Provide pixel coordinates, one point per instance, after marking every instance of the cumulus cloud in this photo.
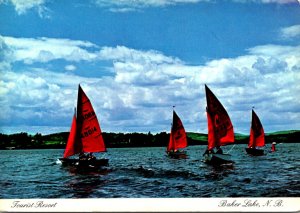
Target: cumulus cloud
(290, 32)
(23, 6)
(270, 65)
(39, 98)
(279, 53)
(32, 50)
(145, 84)
(122, 53)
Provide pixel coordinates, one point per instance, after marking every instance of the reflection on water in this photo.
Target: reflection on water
(219, 172)
(83, 186)
(84, 183)
(148, 172)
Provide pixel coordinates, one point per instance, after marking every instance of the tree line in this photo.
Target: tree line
(24, 140)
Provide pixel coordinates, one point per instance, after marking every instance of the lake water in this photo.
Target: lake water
(149, 173)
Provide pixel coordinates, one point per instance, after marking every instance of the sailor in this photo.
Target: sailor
(208, 151)
(82, 156)
(91, 156)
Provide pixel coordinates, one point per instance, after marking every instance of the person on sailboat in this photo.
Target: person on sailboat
(208, 151)
(91, 156)
(82, 156)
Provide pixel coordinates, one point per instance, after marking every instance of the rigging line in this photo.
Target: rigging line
(230, 149)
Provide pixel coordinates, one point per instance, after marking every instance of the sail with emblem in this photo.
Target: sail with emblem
(178, 139)
(85, 137)
(85, 134)
(220, 128)
(88, 127)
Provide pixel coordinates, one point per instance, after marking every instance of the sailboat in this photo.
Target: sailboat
(85, 136)
(178, 139)
(220, 130)
(257, 137)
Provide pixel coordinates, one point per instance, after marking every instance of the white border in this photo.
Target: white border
(273, 204)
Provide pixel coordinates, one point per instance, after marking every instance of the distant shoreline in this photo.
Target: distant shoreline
(24, 140)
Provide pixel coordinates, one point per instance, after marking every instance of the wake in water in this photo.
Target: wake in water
(160, 173)
(58, 161)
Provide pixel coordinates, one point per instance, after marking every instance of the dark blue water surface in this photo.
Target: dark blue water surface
(149, 173)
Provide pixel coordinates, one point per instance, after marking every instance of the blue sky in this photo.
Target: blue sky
(136, 59)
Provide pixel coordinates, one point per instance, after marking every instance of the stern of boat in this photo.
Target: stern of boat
(217, 159)
(254, 152)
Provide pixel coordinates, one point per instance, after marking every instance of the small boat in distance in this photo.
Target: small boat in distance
(178, 139)
(85, 137)
(220, 131)
(257, 137)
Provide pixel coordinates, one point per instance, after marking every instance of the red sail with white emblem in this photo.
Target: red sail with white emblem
(220, 129)
(88, 128)
(178, 139)
(257, 134)
(85, 134)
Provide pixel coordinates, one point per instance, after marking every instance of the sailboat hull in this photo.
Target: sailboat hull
(217, 159)
(84, 164)
(177, 155)
(255, 152)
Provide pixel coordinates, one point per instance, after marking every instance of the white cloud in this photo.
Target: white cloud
(290, 32)
(278, 1)
(137, 5)
(22, 6)
(267, 1)
(121, 6)
(288, 54)
(146, 84)
(46, 49)
(70, 67)
(122, 53)
(142, 3)
(129, 5)
(31, 50)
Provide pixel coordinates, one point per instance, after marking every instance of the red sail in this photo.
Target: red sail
(88, 126)
(220, 129)
(257, 134)
(178, 138)
(73, 145)
(211, 136)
